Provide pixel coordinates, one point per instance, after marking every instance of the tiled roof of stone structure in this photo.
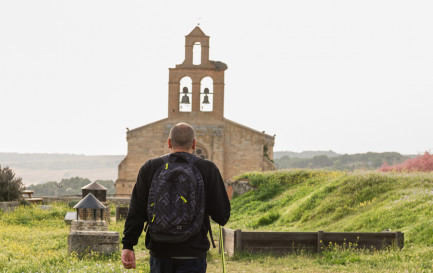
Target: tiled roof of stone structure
(89, 202)
(94, 186)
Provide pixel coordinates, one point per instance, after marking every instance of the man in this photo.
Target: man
(190, 255)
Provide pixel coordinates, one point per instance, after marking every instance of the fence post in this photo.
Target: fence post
(319, 241)
(399, 239)
(238, 241)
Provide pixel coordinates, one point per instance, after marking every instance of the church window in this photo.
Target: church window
(196, 53)
(200, 152)
(206, 94)
(185, 95)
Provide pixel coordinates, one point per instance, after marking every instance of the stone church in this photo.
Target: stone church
(196, 96)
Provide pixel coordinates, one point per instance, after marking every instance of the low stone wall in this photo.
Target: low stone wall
(9, 206)
(87, 242)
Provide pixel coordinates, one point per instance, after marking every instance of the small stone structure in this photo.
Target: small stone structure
(89, 231)
(100, 192)
(89, 207)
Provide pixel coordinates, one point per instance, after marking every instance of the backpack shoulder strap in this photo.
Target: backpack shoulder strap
(209, 228)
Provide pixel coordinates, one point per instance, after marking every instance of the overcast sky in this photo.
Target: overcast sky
(348, 76)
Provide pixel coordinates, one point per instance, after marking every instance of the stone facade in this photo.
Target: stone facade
(234, 148)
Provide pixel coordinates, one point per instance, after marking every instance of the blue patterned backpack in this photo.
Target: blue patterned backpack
(176, 202)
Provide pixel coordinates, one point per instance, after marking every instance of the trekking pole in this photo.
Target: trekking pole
(222, 249)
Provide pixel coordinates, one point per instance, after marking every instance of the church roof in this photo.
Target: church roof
(89, 202)
(196, 32)
(147, 125)
(94, 186)
(248, 128)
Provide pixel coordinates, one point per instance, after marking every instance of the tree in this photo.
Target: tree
(11, 187)
(422, 163)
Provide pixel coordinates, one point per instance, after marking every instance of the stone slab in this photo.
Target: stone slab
(93, 242)
(70, 216)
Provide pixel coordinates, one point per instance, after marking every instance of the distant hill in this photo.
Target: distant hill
(38, 168)
(368, 161)
(304, 154)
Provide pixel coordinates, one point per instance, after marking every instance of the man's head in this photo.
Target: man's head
(181, 138)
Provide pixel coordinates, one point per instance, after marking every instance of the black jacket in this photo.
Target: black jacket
(217, 207)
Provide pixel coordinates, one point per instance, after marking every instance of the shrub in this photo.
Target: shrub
(268, 219)
(11, 187)
(422, 163)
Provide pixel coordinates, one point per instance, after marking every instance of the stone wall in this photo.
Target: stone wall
(9, 206)
(238, 187)
(233, 148)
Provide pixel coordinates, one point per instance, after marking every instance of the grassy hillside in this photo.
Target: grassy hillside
(309, 200)
(35, 240)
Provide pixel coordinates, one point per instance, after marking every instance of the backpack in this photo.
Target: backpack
(176, 201)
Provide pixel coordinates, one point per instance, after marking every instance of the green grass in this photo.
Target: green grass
(35, 240)
(303, 200)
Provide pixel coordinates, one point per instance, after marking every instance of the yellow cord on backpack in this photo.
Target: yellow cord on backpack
(222, 249)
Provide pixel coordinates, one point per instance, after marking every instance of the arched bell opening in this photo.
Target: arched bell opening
(206, 94)
(185, 95)
(196, 53)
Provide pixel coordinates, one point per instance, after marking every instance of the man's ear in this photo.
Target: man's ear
(193, 144)
(169, 143)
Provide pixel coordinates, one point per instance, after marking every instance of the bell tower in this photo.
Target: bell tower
(196, 87)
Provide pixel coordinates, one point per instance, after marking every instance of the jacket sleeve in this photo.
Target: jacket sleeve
(137, 213)
(217, 201)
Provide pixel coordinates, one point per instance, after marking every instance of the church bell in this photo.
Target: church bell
(185, 98)
(206, 98)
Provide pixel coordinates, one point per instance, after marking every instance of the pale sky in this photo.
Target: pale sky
(348, 76)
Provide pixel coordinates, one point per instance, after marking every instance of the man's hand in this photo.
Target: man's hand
(128, 258)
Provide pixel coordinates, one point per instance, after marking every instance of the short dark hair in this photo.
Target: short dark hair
(182, 135)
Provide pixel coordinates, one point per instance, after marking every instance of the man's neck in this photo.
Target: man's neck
(181, 150)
